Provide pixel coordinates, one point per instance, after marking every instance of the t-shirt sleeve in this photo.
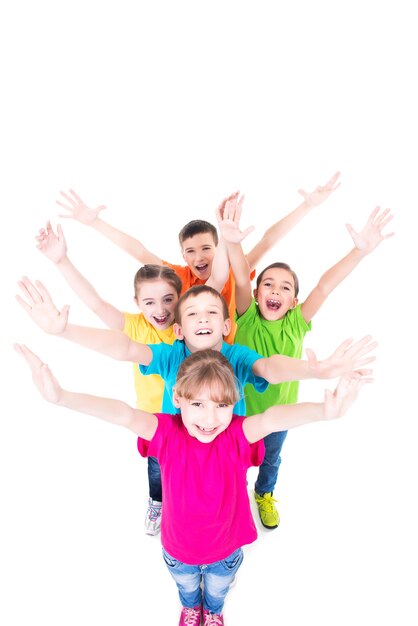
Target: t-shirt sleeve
(243, 359)
(252, 453)
(155, 446)
(298, 321)
(160, 360)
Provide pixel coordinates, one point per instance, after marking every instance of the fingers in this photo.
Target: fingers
(361, 347)
(77, 197)
(31, 358)
(29, 291)
(45, 295)
(333, 180)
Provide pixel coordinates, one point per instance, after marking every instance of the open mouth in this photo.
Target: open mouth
(273, 305)
(206, 431)
(160, 320)
(203, 331)
(202, 268)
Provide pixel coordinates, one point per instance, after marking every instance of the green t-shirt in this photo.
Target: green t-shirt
(284, 336)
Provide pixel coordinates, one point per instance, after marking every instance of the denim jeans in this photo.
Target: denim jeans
(267, 474)
(216, 578)
(154, 479)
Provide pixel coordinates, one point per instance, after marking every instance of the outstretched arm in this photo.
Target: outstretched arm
(38, 304)
(365, 242)
(54, 247)
(79, 211)
(285, 225)
(348, 357)
(283, 417)
(220, 264)
(117, 412)
(228, 217)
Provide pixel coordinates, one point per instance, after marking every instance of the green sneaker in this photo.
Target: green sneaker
(269, 515)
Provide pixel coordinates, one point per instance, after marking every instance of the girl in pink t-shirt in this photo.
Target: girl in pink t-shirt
(204, 455)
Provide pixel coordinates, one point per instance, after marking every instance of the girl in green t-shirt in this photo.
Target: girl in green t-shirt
(272, 321)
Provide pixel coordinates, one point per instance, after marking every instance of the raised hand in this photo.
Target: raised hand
(348, 357)
(38, 305)
(337, 402)
(228, 215)
(52, 245)
(320, 193)
(78, 210)
(42, 376)
(369, 238)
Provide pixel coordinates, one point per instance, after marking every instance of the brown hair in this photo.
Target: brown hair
(155, 272)
(210, 369)
(196, 227)
(283, 266)
(195, 291)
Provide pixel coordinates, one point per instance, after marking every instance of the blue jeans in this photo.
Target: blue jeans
(267, 474)
(216, 578)
(154, 479)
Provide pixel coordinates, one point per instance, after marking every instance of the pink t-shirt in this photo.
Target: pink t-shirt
(206, 511)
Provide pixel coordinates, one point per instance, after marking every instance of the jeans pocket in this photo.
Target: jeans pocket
(234, 560)
(170, 561)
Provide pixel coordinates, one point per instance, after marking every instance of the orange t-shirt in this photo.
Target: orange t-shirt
(188, 279)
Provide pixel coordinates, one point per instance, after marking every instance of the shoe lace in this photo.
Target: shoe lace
(191, 616)
(268, 503)
(154, 512)
(213, 619)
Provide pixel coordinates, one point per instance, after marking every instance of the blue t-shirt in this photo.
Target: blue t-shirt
(166, 361)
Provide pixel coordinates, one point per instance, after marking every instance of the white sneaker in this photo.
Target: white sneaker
(153, 517)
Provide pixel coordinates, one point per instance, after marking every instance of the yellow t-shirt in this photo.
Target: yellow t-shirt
(149, 389)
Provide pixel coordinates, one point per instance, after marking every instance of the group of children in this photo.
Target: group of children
(216, 371)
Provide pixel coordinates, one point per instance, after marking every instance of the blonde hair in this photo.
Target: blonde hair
(210, 369)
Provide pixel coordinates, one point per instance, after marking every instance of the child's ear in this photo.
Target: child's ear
(255, 293)
(177, 331)
(227, 327)
(295, 302)
(176, 399)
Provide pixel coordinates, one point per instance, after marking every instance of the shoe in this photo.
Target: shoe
(269, 515)
(212, 619)
(190, 617)
(153, 517)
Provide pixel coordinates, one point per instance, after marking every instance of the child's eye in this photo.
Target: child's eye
(213, 312)
(190, 314)
(286, 288)
(223, 405)
(196, 404)
(267, 284)
(168, 300)
(149, 303)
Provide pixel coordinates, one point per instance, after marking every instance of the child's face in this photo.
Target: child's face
(276, 294)
(203, 418)
(157, 300)
(198, 252)
(202, 322)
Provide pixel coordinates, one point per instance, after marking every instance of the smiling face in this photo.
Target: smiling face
(198, 252)
(276, 293)
(202, 322)
(203, 417)
(157, 300)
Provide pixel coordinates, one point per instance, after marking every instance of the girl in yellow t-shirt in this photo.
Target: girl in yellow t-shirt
(157, 289)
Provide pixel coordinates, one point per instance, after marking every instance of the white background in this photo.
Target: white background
(159, 110)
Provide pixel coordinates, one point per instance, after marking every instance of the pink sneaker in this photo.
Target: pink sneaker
(212, 619)
(191, 617)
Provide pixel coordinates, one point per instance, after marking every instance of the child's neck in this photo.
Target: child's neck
(217, 346)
